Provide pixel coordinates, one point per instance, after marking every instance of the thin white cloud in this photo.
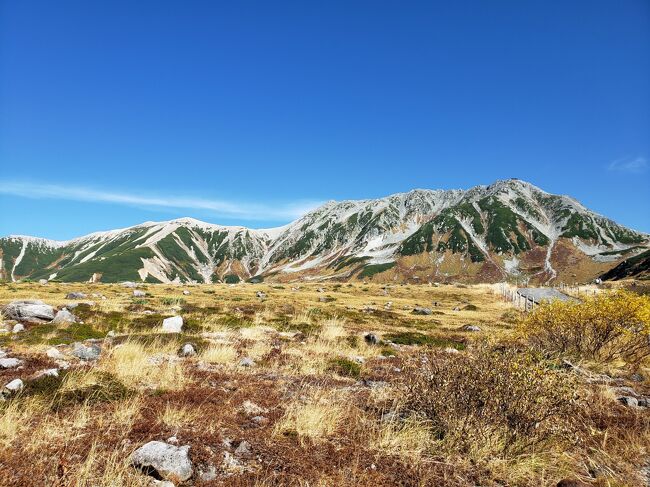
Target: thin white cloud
(219, 208)
(633, 165)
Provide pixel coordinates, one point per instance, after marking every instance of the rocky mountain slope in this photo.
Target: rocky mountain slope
(510, 229)
(637, 267)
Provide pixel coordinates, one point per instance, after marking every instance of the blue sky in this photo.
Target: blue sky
(117, 112)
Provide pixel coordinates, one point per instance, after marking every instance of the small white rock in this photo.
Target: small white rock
(54, 353)
(18, 327)
(9, 363)
(15, 385)
(173, 324)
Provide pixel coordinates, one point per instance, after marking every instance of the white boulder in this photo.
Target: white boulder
(169, 462)
(173, 324)
(15, 385)
(29, 311)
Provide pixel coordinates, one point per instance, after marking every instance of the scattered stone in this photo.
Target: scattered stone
(9, 363)
(64, 316)
(47, 373)
(371, 338)
(42, 282)
(261, 420)
(75, 296)
(186, 292)
(173, 324)
(29, 311)
(86, 352)
(187, 350)
(456, 308)
(260, 295)
(18, 327)
(388, 305)
(231, 464)
(358, 359)
(244, 449)
(419, 310)
(252, 409)
(471, 328)
(325, 299)
(15, 385)
(321, 290)
(163, 483)
(246, 362)
(111, 334)
(644, 402)
(209, 474)
(637, 377)
(129, 284)
(139, 294)
(451, 350)
(167, 461)
(54, 353)
(628, 401)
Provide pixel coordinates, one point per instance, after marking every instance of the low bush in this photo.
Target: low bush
(345, 367)
(490, 402)
(602, 328)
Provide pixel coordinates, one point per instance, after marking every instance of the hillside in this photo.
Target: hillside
(510, 229)
(637, 267)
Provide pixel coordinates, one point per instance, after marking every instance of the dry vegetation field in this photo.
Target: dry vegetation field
(286, 387)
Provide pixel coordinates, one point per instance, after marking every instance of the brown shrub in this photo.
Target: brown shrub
(501, 402)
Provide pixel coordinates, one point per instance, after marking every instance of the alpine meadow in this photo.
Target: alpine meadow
(315, 244)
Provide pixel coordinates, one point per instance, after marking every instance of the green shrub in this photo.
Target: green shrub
(344, 367)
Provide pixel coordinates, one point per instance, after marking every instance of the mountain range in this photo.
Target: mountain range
(508, 230)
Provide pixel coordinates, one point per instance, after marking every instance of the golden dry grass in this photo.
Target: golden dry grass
(82, 433)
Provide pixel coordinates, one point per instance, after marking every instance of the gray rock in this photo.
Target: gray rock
(47, 373)
(168, 461)
(188, 350)
(18, 327)
(419, 310)
(86, 352)
(186, 292)
(129, 284)
(54, 353)
(244, 449)
(9, 363)
(29, 311)
(209, 474)
(173, 324)
(260, 295)
(64, 316)
(75, 296)
(628, 401)
(15, 385)
(139, 294)
(371, 338)
(247, 362)
(471, 328)
(42, 282)
(644, 402)
(252, 409)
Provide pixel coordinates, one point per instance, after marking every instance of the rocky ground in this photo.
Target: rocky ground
(315, 385)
